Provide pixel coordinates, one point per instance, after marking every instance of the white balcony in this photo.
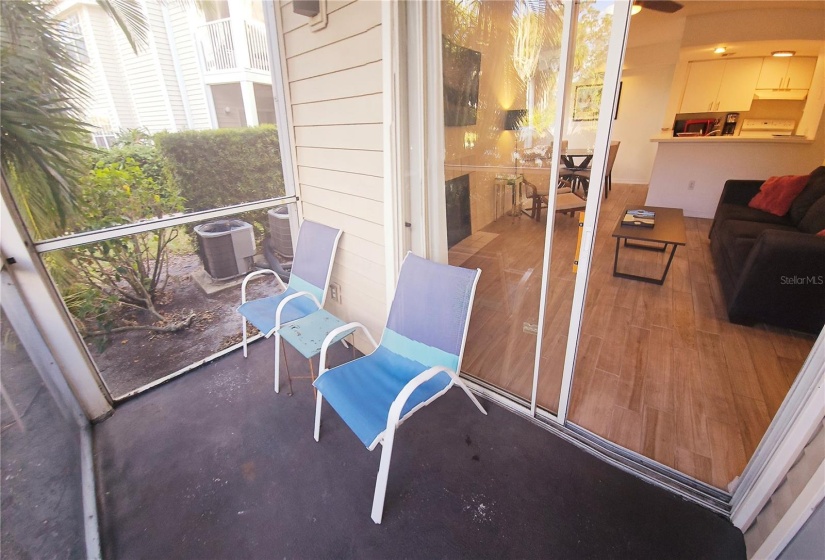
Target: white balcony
(230, 45)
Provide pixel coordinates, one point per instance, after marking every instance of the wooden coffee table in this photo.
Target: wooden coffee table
(669, 229)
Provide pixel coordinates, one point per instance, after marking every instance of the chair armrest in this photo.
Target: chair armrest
(331, 336)
(401, 399)
(252, 275)
(286, 300)
(739, 191)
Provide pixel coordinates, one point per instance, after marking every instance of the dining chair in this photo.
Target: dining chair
(583, 176)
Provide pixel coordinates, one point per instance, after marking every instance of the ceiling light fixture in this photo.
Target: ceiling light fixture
(719, 50)
(635, 9)
(783, 53)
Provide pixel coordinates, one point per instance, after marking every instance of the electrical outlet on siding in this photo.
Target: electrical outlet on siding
(335, 291)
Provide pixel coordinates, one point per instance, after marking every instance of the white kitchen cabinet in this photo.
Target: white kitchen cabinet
(786, 73)
(704, 79)
(721, 85)
(738, 84)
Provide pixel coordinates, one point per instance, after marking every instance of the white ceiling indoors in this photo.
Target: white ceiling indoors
(650, 27)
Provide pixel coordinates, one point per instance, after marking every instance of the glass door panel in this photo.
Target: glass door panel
(500, 63)
(592, 31)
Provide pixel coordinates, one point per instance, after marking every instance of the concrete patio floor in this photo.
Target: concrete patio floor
(216, 465)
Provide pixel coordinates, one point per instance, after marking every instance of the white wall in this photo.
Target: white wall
(646, 81)
(109, 93)
(334, 78)
(184, 22)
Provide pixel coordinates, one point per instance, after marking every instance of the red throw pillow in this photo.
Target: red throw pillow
(777, 193)
(821, 233)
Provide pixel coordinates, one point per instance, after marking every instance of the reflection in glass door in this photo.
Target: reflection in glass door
(500, 63)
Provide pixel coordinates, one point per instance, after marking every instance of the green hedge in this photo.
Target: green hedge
(215, 168)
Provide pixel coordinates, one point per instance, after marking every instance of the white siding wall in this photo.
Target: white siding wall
(145, 79)
(109, 93)
(183, 28)
(334, 78)
(166, 66)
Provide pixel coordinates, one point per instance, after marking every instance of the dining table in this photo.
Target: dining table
(570, 156)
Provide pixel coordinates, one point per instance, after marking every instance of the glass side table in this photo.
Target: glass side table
(307, 335)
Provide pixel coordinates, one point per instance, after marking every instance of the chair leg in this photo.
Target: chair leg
(383, 476)
(243, 324)
(277, 363)
(319, 399)
(286, 363)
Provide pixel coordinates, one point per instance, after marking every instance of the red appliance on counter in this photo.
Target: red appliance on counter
(693, 127)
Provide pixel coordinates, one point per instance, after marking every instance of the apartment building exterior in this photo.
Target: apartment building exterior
(199, 68)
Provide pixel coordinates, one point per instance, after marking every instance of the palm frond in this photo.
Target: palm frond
(42, 139)
(129, 16)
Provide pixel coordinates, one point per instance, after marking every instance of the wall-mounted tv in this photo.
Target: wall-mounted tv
(462, 68)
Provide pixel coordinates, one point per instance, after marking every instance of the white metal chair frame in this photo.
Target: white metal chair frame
(278, 311)
(281, 305)
(394, 417)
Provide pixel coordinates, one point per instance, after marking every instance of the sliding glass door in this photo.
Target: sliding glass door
(523, 127)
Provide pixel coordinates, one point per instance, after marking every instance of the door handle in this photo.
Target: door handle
(782, 79)
(788, 85)
(710, 106)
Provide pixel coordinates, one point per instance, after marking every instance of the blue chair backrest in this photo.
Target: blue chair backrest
(314, 255)
(428, 317)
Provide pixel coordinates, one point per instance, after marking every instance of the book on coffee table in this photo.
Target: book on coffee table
(639, 218)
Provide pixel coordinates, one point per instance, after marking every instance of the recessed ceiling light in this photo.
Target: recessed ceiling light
(719, 50)
(783, 53)
(635, 9)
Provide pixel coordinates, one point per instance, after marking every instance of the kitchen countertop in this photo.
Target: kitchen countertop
(732, 140)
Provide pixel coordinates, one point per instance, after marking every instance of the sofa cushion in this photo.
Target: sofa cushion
(813, 191)
(748, 214)
(738, 238)
(814, 219)
(777, 193)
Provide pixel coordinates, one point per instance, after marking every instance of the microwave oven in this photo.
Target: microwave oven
(693, 127)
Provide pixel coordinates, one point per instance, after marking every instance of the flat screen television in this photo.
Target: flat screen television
(462, 68)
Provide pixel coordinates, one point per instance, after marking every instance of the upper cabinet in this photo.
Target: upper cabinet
(721, 85)
(785, 78)
(738, 84)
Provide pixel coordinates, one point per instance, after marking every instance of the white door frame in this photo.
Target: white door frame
(610, 92)
(49, 313)
(799, 416)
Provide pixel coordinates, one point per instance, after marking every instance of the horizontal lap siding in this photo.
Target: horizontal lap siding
(109, 77)
(190, 71)
(334, 78)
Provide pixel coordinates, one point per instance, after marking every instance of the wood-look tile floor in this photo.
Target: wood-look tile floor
(660, 370)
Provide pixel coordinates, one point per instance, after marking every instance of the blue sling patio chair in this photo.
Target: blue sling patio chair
(305, 293)
(418, 360)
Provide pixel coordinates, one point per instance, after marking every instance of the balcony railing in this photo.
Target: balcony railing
(256, 46)
(222, 49)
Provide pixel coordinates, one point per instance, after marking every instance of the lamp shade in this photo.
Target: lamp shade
(514, 118)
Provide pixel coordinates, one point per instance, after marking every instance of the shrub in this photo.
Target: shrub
(130, 269)
(216, 168)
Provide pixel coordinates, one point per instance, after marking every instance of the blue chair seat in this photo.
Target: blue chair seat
(363, 390)
(261, 312)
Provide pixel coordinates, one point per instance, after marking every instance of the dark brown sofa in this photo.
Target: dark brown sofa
(772, 268)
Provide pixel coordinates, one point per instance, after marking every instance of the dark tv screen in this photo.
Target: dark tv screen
(462, 67)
